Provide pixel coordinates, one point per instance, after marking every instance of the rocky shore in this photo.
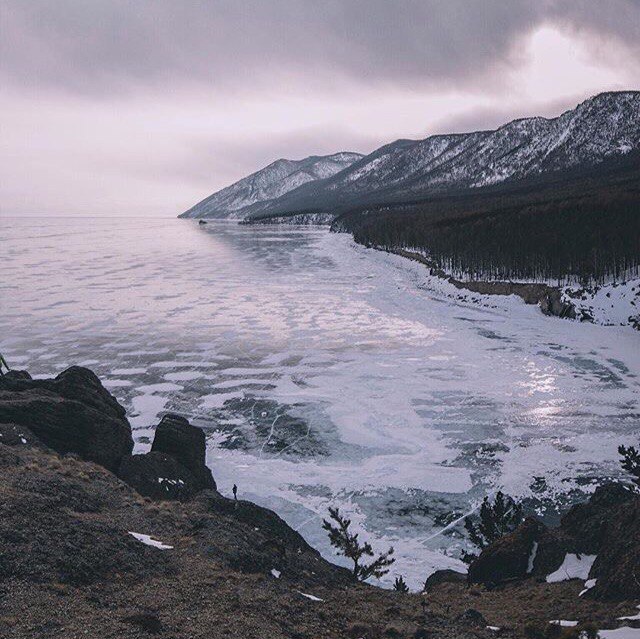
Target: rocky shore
(95, 541)
(548, 298)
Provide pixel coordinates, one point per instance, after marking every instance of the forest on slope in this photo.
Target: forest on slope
(581, 226)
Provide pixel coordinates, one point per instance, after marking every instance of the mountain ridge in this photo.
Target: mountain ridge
(601, 127)
(268, 183)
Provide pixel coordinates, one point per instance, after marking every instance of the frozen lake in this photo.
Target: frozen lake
(325, 373)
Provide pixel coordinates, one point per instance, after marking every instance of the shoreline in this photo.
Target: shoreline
(548, 298)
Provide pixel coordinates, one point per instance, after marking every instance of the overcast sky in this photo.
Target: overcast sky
(143, 107)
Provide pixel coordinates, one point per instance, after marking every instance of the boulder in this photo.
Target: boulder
(586, 524)
(72, 413)
(532, 549)
(176, 437)
(175, 468)
(159, 476)
(444, 577)
(617, 566)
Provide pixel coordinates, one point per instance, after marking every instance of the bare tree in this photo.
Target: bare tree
(347, 544)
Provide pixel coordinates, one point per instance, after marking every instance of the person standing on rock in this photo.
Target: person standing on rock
(235, 492)
(3, 364)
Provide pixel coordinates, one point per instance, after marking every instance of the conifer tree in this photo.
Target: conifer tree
(400, 584)
(631, 462)
(347, 544)
(495, 520)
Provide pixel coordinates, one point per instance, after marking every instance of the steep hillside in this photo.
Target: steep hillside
(601, 128)
(268, 183)
(578, 226)
(154, 549)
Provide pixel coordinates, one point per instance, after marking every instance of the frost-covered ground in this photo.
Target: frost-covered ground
(325, 373)
(614, 304)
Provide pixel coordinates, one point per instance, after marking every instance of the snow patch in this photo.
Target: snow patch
(590, 583)
(621, 633)
(532, 557)
(147, 540)
(312, 597)
(573, 567)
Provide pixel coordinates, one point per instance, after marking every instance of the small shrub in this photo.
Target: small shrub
(400, 585)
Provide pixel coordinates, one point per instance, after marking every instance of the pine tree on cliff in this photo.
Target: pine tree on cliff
(631, 462)
(494, 521)
(348, 545)
(400, 585)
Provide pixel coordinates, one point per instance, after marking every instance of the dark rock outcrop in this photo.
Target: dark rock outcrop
(444, 577)
(617, 566)
(159, 476)
(176, 437)
(586, 524)
(72, 413)
(16, 435)
(175, 468)
(532, 549)
(608, 525)
(15, 375)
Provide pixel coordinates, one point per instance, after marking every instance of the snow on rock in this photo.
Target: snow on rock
(532, 557)
(616, 304)
(312, 597)
(147, 540)
(631, 618)
(564, 623)
(573, 567)
(268, 183)
(590, 583)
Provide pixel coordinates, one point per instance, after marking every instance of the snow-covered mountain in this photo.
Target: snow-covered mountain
(269, 183)
(602, 127)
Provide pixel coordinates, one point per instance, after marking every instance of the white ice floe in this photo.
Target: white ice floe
(116, 383)
(149, 541)
(588, 584)
(312, 597)
(573, 567)
(276, 573)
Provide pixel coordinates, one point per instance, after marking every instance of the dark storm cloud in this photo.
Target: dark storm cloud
(145, 106)
(111, 46)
